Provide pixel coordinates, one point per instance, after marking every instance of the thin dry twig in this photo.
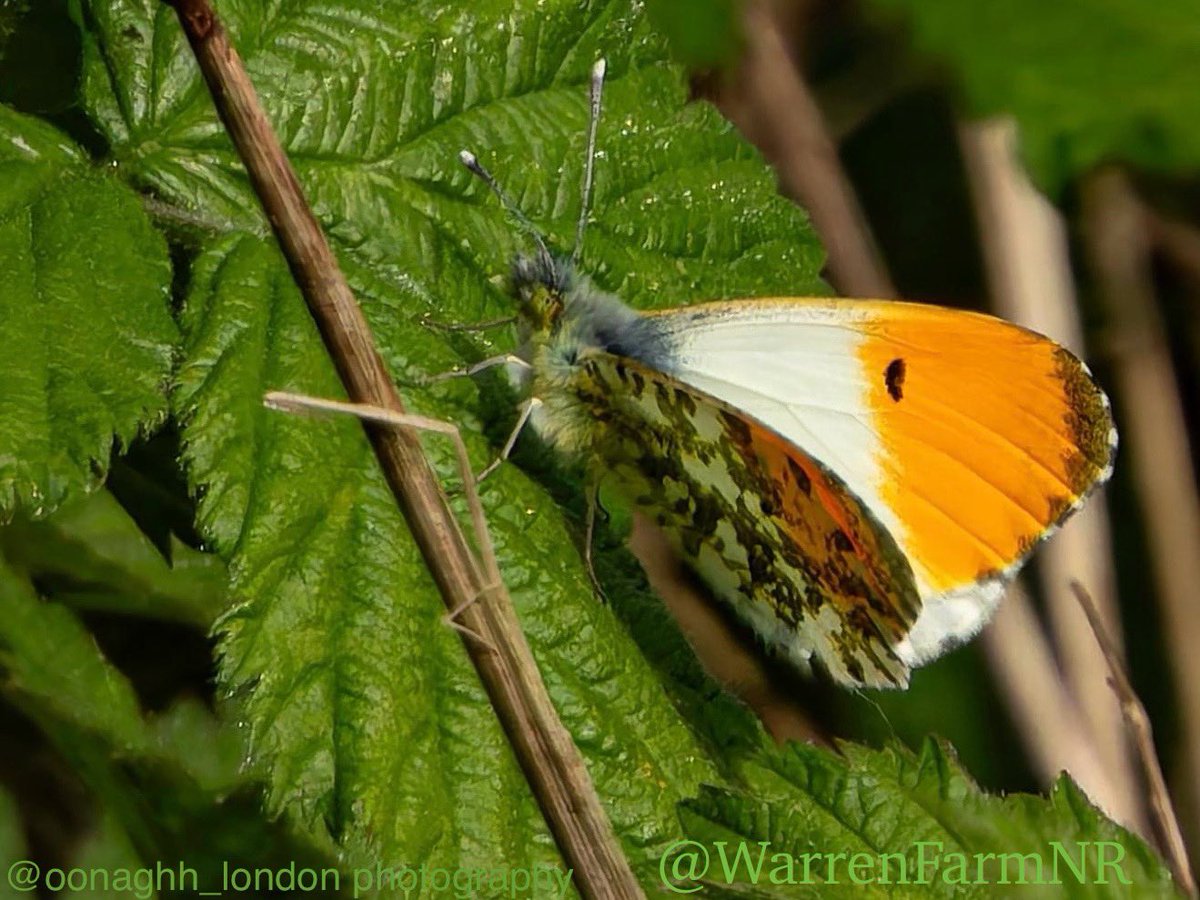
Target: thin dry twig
(781, 115)
(1158, 451)
(541, 743)
(1162, 813)
(1030, 280)
(285, 401)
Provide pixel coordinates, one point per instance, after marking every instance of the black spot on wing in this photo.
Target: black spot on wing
(893, 377)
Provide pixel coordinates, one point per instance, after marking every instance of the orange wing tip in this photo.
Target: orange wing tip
(1095, 434)
(952, 618)
(984, 455)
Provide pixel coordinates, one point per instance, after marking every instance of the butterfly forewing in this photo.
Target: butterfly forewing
(970, 438)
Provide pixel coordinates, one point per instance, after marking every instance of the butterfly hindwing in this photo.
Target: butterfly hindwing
(772, 531)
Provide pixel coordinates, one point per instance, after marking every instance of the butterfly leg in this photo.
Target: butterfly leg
(589, 535)
(486, 559)
(467, 371)
(523, 415)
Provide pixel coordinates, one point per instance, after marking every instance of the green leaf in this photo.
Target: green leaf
(921, 816)
(373, 117)
(92, 555)
(171, 788)
(83, 318)
(49, 659)
(1087, 82)
(362, 702)
(702, 33)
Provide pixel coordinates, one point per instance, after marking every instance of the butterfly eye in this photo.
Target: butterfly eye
(542, 306)
(552, 308)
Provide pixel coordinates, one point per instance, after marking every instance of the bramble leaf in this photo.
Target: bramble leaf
(874, 822)
(363, 711)
(84, 321)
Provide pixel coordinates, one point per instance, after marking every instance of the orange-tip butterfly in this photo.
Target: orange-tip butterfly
(858, 480)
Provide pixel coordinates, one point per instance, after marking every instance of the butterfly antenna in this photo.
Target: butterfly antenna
(468, 159)
(589, 162)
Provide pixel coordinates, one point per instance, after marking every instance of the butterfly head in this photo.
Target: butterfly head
(541, 283)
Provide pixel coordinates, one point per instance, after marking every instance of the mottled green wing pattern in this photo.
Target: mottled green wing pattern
(772, 532)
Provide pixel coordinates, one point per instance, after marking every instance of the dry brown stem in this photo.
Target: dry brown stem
(1162, 812)
(776, 107)
(539, 740)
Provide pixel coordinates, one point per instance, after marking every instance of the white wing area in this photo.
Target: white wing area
(795, 366)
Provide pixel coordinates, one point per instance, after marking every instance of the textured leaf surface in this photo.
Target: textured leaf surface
(922, 806)
(1087, 81)
(84, 322)
(361, 700)
(373, 103)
